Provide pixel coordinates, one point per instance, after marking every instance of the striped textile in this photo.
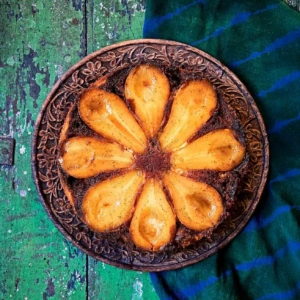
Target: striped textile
(260, 42)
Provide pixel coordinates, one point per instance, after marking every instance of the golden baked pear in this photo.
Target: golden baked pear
(194, 104)
(84, 157)
(109, 204)
(197, 205)
(148, 89)
(108, 115)
(153, 224)
(218, 150)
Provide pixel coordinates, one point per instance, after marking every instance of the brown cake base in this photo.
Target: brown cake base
(155, 162)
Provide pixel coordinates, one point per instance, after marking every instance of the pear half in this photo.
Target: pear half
(108, 115)
(109, 204)
(84, 157)
(197, 205)
(148, 90)
(153, 224)
(218, 150)
(193, 105)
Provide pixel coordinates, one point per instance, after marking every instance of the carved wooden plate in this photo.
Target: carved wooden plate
(113, 248)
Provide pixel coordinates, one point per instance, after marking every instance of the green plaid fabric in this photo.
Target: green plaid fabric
(260, 42)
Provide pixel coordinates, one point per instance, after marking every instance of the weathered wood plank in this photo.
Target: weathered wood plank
(39, 41)
(110, 22)
(106, 283)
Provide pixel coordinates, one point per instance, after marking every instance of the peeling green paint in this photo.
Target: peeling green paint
(31, 262)
(110, 22)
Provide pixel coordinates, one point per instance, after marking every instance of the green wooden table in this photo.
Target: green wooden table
(39, 41)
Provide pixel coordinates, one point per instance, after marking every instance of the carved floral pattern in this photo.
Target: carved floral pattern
(116, 247)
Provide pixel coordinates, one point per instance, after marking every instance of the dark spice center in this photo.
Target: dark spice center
(154, 161)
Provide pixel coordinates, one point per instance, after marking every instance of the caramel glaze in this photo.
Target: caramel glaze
(154, 162)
